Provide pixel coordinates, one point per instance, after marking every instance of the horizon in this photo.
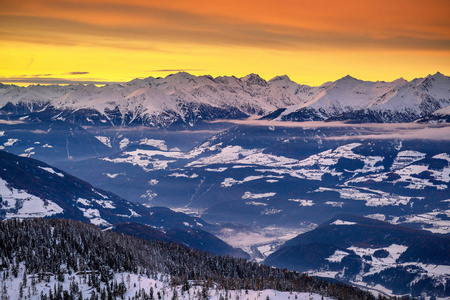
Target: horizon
(314, 42)
(49, 81)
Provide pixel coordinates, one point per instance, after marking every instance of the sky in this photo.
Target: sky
(101, 41)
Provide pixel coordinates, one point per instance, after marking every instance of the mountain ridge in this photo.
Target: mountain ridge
(185, 99)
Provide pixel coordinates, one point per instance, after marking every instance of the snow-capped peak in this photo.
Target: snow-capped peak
(254, 79)
(183, 96)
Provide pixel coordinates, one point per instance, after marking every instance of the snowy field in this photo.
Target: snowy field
(136, 285)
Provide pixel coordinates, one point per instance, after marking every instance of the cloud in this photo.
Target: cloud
(76, 73)
(295, 25)
(429, 133)
(178, 70)
(52, 80)
(30, 63)
(34, 75)
(10, 122)
(367, 131)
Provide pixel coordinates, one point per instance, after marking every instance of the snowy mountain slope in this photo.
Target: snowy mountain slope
(32, 189)
(184, 99)
(84, 262)
(177, 98)
(29, 188)
(50, 141)
(373, 254)
(288, 178)
(364, 101)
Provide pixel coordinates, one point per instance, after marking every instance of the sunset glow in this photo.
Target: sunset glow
(59, 41)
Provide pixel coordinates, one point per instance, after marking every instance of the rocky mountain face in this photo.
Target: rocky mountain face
(184, 99)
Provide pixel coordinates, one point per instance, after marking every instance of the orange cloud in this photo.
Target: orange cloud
(318, 37)
(289, 24)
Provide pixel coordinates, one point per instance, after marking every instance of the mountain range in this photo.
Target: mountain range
(185, 99)
(168, 159)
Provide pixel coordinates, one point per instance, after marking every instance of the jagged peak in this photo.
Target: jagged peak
(254, 79)
(438, 76)
(280, 78)
(347, 78)
(181, 74)
(400, 80)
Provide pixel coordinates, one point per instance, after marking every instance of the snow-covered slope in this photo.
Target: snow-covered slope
(371, 254)
(152, 101)
(186, 99)
(30, 189)
(364, 101)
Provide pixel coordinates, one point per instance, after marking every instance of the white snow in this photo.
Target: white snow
(249, 195)
(104, 139)
(227, 182)
(145, 158)
(153, 182)
(337, 256)
(303, 202)
(160, 144)
(178, 175)
(84, 202)
(105, 203)
(160, 101)
(10, 142)
(405, 158)
(216, 170)
(379, 217)
(408, 174)
(270, 211)
(341, 222)
(256, 203)
(135, 283)
(112, 175)
(124, 143)
(430, 221)
(335, 203)
(94, 216)
(20, 204)
(50, 170)
(394, 250)
(371, 197)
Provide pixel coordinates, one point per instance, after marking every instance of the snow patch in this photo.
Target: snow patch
(341, 222)
(50, 170)
(249, 195)
(105, 140)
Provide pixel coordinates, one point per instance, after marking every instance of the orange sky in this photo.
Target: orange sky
(58, 41)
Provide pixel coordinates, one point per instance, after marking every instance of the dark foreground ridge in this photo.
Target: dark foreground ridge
(58, 246)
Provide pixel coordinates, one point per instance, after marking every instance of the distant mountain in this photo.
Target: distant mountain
(350, 99)
(371, 253)
(180, 98)
(184, 99)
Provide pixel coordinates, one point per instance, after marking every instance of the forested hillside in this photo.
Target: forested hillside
(53, 248)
